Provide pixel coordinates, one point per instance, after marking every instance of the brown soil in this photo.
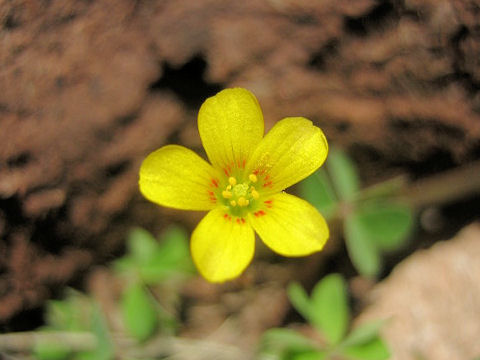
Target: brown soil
(88, 88)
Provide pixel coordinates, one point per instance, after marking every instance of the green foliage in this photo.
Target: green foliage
(148, 262)
(373, 222)
(75, 314)
(278, 342)
(327, 309)
(332, 313)
(151, 262)
(363, 333)
(319, 192)
(387, 224)
(374, 349)
(300, 300)
(104, 349)
(328, 312)
(139, 313)
(155, 261)
(344, 174)
(362, 251)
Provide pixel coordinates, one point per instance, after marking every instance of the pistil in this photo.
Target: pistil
(240, 196)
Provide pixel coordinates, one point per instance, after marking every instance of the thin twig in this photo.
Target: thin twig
(455, 184)
(182, 348)
(26, 341)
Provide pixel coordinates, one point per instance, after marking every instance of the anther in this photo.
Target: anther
(232, 181)
(253, 178)
(242, 201)
(233, 203)
(255, 194)
(229, 187)
(226, 194)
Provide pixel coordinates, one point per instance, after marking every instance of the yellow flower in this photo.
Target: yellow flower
(242, 188)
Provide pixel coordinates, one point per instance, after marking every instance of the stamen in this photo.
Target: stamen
(233, 203)
(255, 194)
(242, 201)
(226, 194)
(232, 181)
(229, 187)
(253, 178)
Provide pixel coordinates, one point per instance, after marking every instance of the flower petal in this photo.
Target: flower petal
(290, 226)
(176, 177)
(293, 149)
(230, 125)
(221, 246)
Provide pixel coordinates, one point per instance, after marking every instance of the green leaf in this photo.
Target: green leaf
(72, 313)
(104, 349)
(175, 249)
(59, 315)
(318, 190)
(387, 224)
(172, 257)
(329, 307)
(280, 342)
(361, 249)
(51, 351)
(125, 265)
(300, 300)
(363, 333)
(343, 173)
(139, 312)
(142, 245)
(375, 349)
(155, 260)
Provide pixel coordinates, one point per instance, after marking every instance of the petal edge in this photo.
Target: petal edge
(290, 226)
(176, 177)
(230, 125)
(221, 247)
(292, 150)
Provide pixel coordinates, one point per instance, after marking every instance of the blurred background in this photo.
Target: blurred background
(89, 88)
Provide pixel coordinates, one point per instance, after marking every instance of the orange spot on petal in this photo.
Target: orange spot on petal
(269, 183)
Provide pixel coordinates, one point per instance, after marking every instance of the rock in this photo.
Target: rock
(432, 301)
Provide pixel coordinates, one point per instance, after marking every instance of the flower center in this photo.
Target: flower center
(240, 197)
(240, 190)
